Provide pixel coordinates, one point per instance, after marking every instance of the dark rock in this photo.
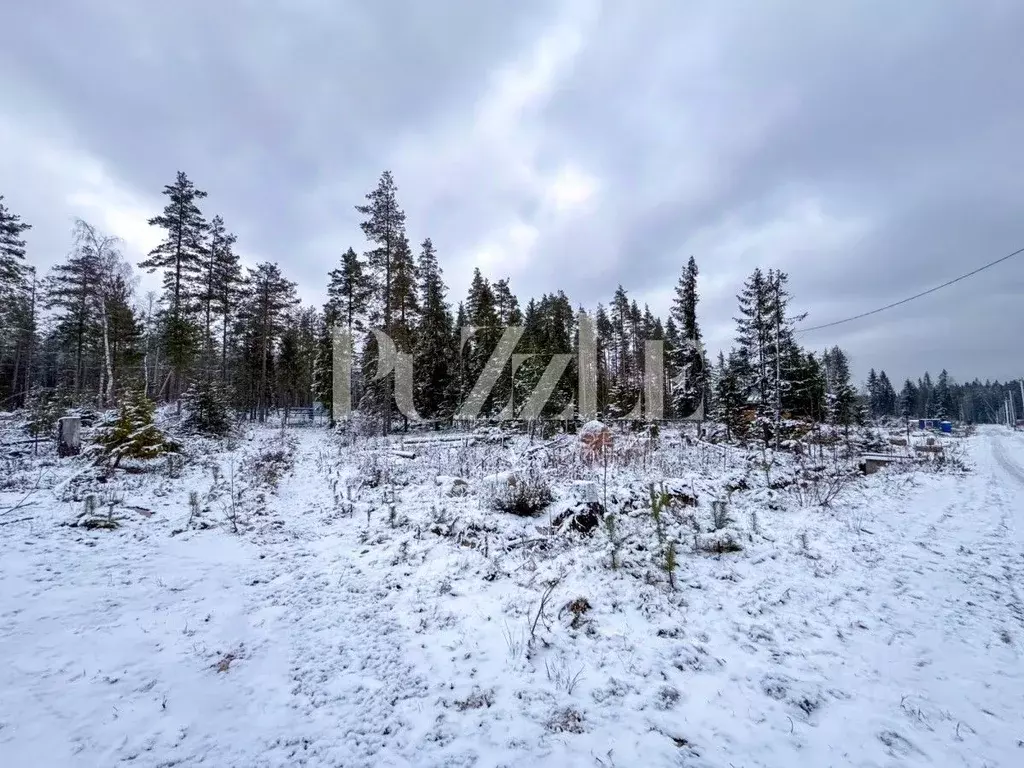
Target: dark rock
(582, 518)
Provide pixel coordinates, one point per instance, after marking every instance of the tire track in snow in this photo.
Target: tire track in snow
(1011, 467)
(356, 692)
(1012, 519)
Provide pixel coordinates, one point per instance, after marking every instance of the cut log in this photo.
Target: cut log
(69, 436)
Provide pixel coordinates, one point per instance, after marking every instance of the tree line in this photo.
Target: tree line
(81, 334)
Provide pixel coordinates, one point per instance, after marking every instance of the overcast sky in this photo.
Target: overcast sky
(870, 149)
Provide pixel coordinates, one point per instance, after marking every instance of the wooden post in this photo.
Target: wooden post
(69, 436)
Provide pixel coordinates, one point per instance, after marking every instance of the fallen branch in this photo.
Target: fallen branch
(18, 520)
(25, 499)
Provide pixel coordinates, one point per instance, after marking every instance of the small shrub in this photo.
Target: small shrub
(563, 678)
(577, 609)
(478, 699)
(566, 721)
(133, 435)
(720, 514)
(525, 494)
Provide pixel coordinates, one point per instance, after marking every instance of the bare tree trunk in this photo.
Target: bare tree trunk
(108, 394)
(31, 338)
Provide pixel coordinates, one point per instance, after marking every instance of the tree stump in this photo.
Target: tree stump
(69, 436)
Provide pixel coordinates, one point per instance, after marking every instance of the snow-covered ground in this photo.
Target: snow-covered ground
(887, 630)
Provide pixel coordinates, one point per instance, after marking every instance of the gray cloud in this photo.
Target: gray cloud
(869, 148)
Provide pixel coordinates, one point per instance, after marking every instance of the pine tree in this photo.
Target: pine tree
(91, 292)
(389, 264)
(19, 361)
(269, 296)
(12, 249)
(181, 256)
(220, 270)
(72, 288)
(348, 293)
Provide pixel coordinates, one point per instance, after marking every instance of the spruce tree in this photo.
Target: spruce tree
(874, 394)
(229, 286)
(908, 400)
(730, 400)
(753, 339)
(689, 362)
(206, 408)
(506, 309)
(842, 399)
(349, 291)
(134, 435)
(482, 316)
(605, 365)
(625, 381)
(295, 359)
(323, 368)
(506, 304)
(406, 300)
(943, 399)
(434, 361)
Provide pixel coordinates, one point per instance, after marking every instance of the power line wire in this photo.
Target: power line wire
(915, 296)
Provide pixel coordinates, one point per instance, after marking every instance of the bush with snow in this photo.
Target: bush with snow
(524, 493)
(133, 435)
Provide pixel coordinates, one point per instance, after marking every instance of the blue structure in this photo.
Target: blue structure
(946, 426)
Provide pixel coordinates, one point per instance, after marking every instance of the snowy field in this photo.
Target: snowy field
(332, 629)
